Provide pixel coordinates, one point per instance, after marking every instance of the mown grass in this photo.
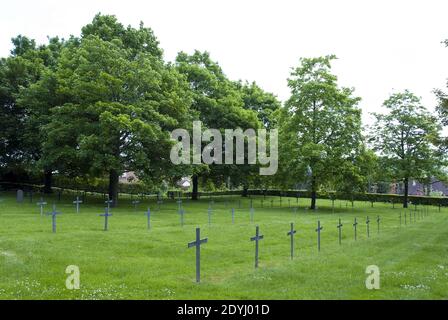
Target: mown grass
(131, 262)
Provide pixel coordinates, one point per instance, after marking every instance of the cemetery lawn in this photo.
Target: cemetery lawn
(131, 262)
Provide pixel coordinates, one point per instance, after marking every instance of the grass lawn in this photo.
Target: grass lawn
(131, 262)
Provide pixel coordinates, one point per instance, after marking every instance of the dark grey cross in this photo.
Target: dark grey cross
(291, 234)
(368, 226)
(251, 214)
(41, 203)
(233, 216)
(257, 238)
(319, 228)
(181, 213)
(378, 220)
(106, 216)
(179, 204)
(209, 215)
(148, 214)
(53, 217)
(355, 225)
(197, 243)
(135, 203)
(77, 202)
(108, 203)
(339, 226)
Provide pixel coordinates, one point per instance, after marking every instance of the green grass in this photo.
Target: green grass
(130, 262)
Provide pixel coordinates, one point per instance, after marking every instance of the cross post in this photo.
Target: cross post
(319, 228)
(106, 216)
(339, 226)
(256, 238)
(291, 234)
(197, 243)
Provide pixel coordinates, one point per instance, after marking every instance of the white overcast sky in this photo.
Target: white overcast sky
(382, 46)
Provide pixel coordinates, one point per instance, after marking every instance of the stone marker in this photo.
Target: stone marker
(368, 226)
(256, 238)
(319, 228)
(355, 225)
(291, 234)
(19, 196)
(77, 202)
(106, 216)
(41, 203)
(53, 218)
(148, 215)
(339, 226)
(197, 243)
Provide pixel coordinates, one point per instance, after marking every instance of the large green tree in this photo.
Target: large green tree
(319, 127)
(405, 136)
(117, 103)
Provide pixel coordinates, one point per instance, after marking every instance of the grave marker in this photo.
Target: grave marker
(77, 202)
(19, 196)
(233, 216)
(319, 228)
(106, 216)
(256, 238)
(148, 215)
(41, 203)
(53, 214)
(291, 234)
(368, 226)
(197, 243)
(339, 226)
(251, 214)
(181, 212)
(378, 219)
(355, 224)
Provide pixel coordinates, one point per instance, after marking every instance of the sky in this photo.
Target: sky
(382, 46)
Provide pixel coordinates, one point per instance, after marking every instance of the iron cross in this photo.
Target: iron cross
(355, 226)
(209, 215)
(53, 217)
(106, 216)
(368, 228)
(378, 219)
(108, 203)
(319, 228)
(181, 212)
(77, 202)
(148, 214)
(251, 214)
(339, 226)
(257, 238)
(233, 216)
(291, 234)
(41, 203)
(197, 243)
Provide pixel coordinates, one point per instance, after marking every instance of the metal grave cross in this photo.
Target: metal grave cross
(106, 216)
(368, 226)
(291, 234)
(179, 204)
(319, 228)
(53, 214)
(197, 243)
(339, 226)
(252, 211)
(41, 203)
(148, 214)
(209, 213)
(135, 203)
(378, 220)
(77, 202)
(233, 215)
(355, 224)
(256, 238)
(181, 212)
(108, 203)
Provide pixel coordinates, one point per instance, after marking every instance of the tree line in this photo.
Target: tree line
(105, 102)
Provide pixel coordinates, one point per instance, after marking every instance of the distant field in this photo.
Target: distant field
(131, 262)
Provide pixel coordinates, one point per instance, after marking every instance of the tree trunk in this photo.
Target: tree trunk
(406, 192)
(313, 193)
(113, 187)
(48, 178)
(194, 193)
